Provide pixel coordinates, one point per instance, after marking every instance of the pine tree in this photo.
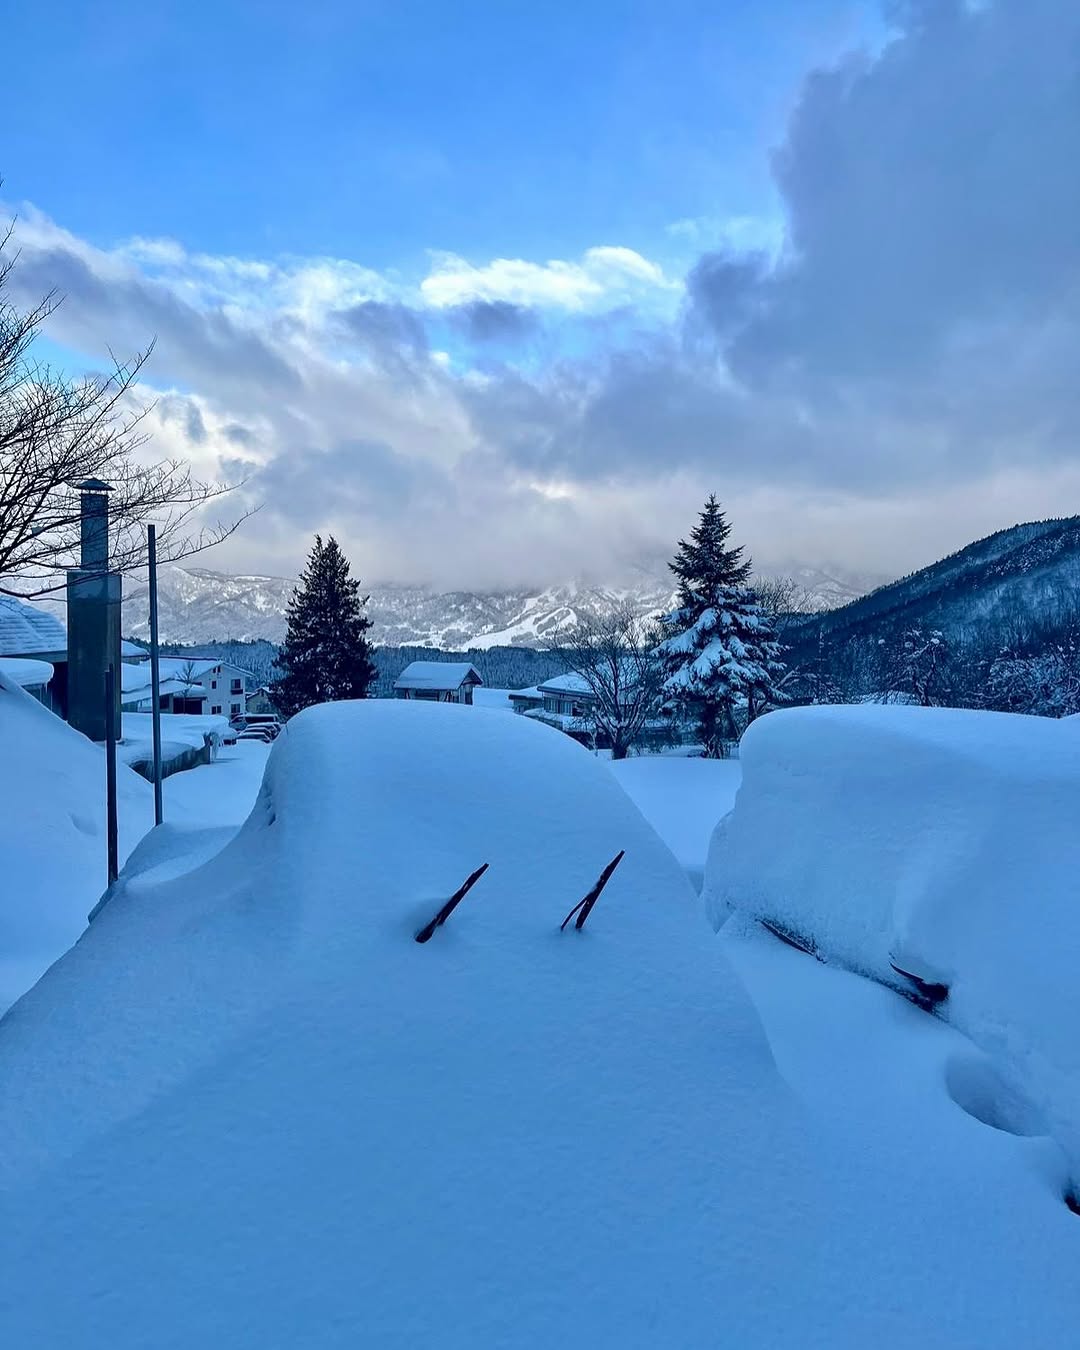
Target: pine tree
(720, 651)
(326, 655)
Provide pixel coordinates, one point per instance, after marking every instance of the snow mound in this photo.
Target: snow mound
(936, 842)
(52, 835)
(248, 1108)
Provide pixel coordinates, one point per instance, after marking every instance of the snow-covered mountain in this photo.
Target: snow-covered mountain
(199, 605)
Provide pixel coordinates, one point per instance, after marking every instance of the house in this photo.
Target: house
(569, 703)
(438, 681)
(188, 685)
(33, 634)
(260, 703)
(567, 696)
(525, 700)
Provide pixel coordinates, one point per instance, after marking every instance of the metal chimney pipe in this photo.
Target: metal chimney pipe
(94, 525)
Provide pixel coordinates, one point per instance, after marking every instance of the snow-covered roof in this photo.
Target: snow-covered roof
(437, 675)
(183, 667)
(566, 684)
(531, 693)
(131, 651)
(28, 674)
(26, 630)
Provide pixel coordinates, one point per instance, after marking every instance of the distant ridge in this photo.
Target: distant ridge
(1026, 571)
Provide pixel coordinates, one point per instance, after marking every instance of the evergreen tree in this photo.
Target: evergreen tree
(326, 656)
(720, 650)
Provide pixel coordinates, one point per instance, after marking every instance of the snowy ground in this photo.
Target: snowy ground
(179, 732)
(682, 799)
(249, 1109)
(52, 827)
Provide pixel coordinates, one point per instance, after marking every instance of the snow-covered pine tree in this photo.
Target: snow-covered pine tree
(720, 648)
(326, 655)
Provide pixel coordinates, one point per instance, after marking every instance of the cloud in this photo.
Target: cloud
(483, 321)
(894, 378)
(605, 277)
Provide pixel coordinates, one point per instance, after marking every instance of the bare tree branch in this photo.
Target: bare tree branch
(614, 656)
(55, 432)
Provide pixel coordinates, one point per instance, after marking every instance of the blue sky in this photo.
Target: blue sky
(380, 130)
(498, 293)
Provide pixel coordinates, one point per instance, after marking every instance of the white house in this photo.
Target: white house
(438, 681)
(188, 686)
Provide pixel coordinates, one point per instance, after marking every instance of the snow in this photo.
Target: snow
(942, 842)
(52, 819)
(436, 675)
(26, 630)
(288, 1123)
(248, 1109)
(52, 834)
(25, 672)
(497, 699)
(180, 732)
(570, 683)
(682, 799)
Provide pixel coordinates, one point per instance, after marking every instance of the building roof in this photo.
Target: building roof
(531, 693)
(437, 675)
(28, 673)
(26, 630)
(567, 684)
(184, 668)
(131, 651)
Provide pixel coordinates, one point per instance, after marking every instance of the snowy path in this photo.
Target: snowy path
(682, 799)
(221, 793)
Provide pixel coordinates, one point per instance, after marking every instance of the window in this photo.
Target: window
(237, 687)
(216, 708)
(235, 708)
(213, 684)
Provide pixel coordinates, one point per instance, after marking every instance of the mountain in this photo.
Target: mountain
(1028, 573)
(198, 605)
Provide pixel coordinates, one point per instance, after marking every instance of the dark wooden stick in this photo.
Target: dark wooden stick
(583, 908)
(451, 904)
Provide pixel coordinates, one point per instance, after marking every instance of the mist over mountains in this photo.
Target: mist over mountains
(197, 604)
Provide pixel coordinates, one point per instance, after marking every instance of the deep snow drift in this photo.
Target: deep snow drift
(941, 842)
(53, 861)
(248, 1109)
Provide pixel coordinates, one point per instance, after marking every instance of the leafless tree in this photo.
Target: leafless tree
(916, 668)
(56, 432)
(782, 598)
(613, 654)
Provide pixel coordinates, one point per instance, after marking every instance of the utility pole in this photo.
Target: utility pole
(110, 775)
(155, 671)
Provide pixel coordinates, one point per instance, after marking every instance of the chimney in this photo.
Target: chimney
(94, 525)
(93, 606)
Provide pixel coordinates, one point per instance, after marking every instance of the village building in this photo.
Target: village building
(33, 636)
(188, 685)
(438, 681)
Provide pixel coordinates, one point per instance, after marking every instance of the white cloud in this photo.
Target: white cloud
(605, 277)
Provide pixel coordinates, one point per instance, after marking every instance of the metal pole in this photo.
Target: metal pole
(155, 672)
(110, 774)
